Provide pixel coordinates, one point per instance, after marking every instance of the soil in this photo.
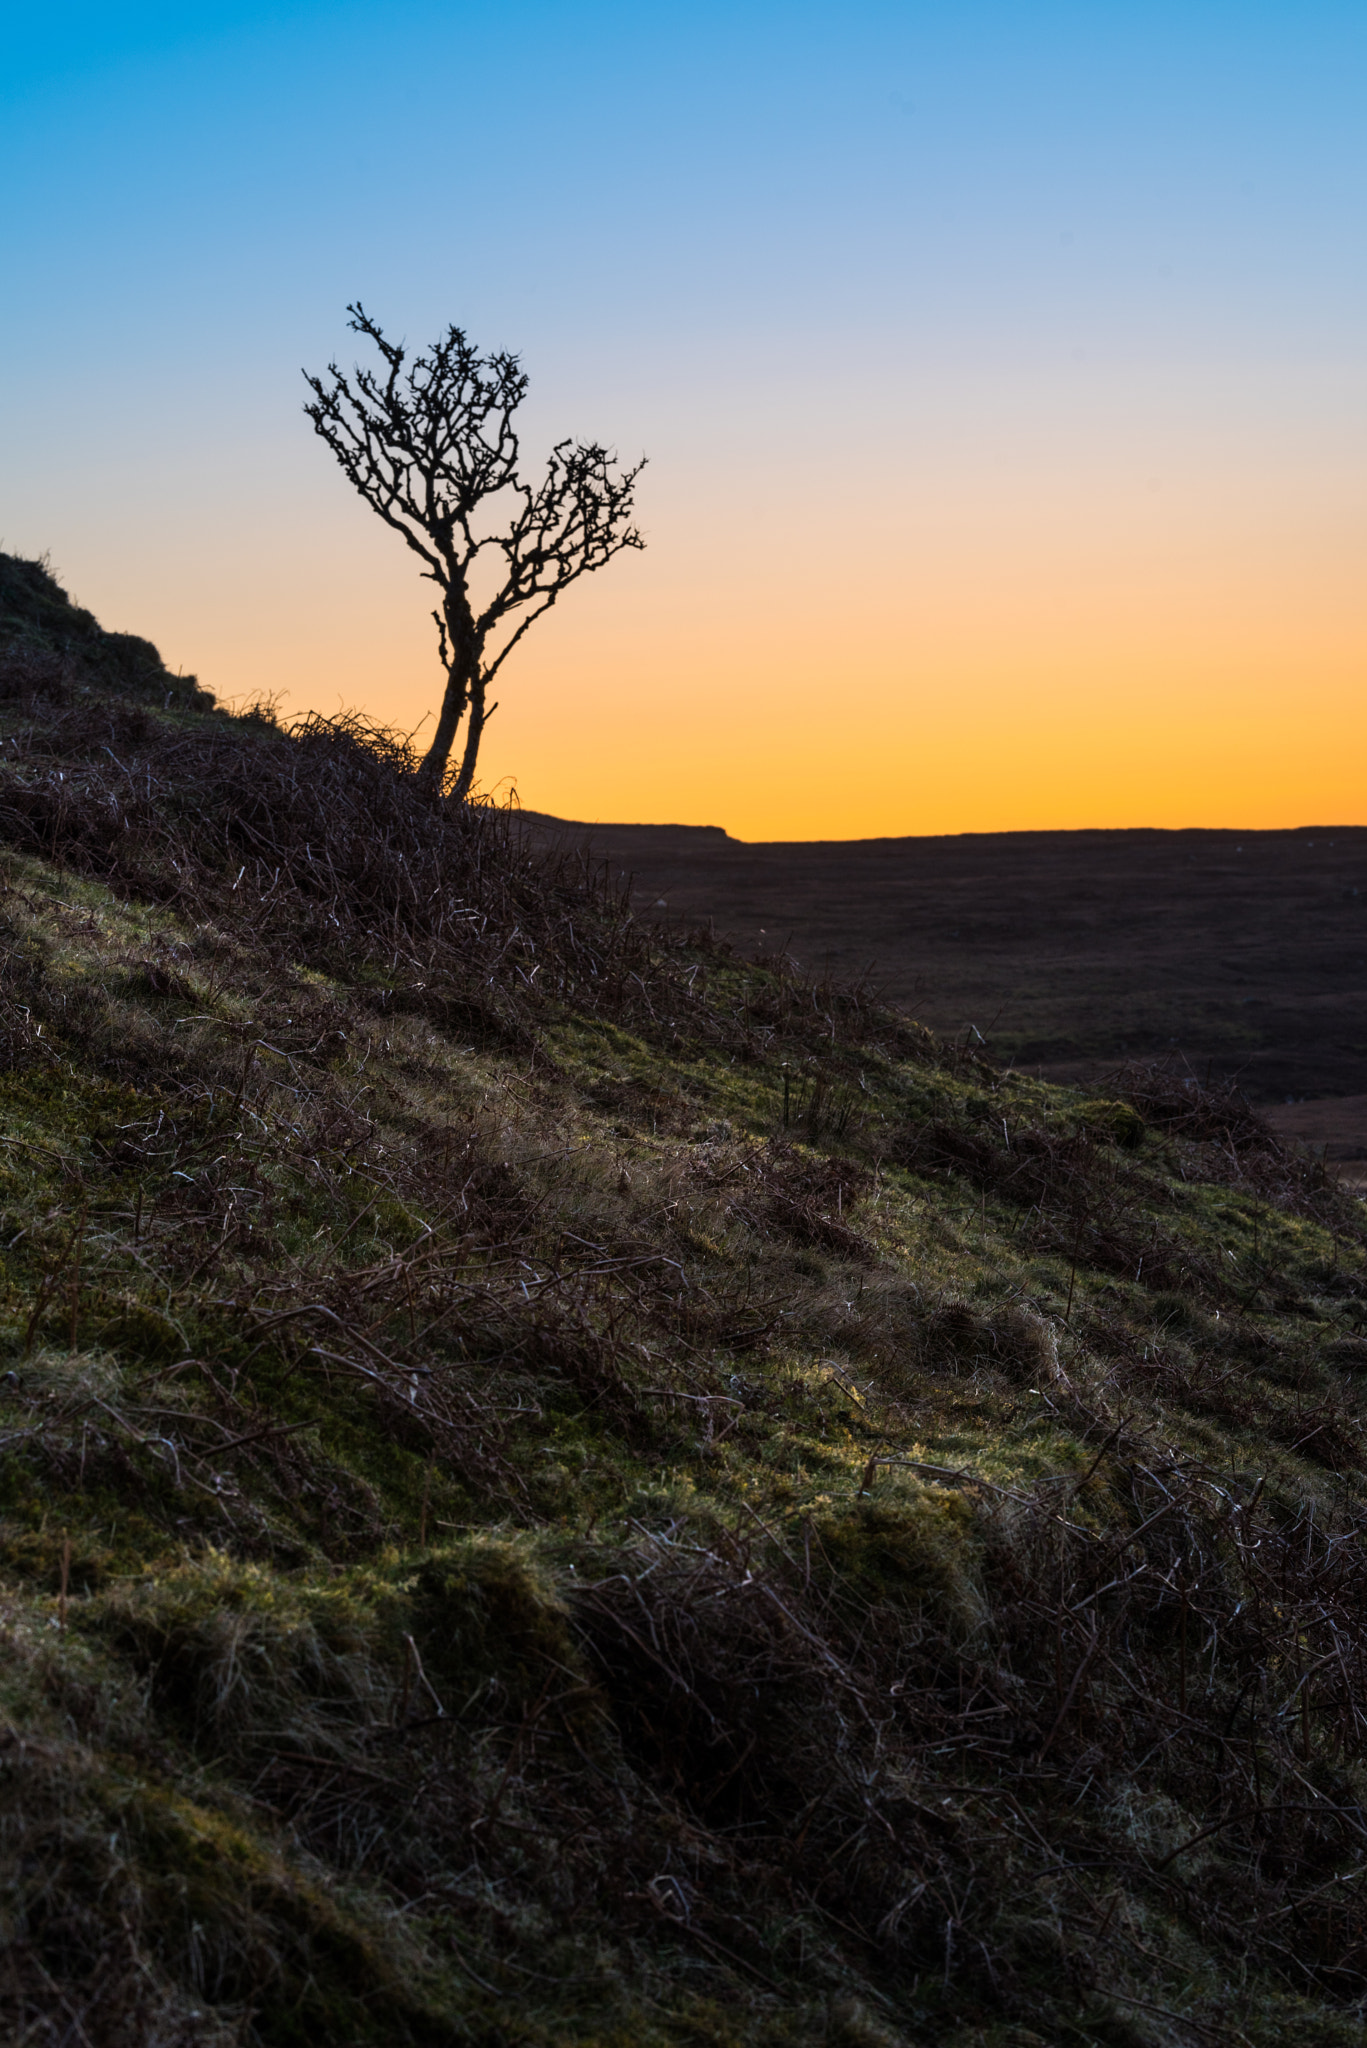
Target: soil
(1237, 953)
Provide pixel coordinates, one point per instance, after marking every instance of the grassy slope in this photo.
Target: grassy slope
(561, 1486)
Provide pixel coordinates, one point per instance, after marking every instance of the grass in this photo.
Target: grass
(561, 1486)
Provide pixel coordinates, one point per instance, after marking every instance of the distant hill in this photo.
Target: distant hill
(625, 835)
(1242, 955)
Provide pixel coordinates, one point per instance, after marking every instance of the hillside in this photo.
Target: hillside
(565, 1486)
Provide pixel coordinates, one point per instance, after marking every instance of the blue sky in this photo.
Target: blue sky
(897, 298)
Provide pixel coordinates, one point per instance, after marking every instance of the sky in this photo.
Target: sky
(1000, 367)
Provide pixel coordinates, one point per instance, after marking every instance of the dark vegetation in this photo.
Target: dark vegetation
(1242, 953)
(560, 1485)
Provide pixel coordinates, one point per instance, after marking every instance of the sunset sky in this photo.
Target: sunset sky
(1002, 370)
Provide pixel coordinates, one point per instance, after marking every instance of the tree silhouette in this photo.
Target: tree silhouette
(430, 444)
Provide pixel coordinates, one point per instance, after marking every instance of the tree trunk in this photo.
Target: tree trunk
(453, 705)
(460, 646)
(473, 733)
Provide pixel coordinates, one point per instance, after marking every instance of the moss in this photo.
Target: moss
(142, 1336)
(487, 1612)
(48, 1557)
(1115, 1123)
(277, 1946)
(915, 1546)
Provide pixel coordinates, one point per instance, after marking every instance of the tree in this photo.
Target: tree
(430, 444)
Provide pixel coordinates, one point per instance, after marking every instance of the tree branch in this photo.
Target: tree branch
(428, 442)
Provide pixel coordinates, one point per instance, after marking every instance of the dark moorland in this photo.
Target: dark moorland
(1240, 954)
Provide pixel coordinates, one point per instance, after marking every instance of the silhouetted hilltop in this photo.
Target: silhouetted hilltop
(39, 624)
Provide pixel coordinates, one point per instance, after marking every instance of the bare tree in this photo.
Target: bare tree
(430, 444)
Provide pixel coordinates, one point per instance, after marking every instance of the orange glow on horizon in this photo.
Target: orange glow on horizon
(1016, 662)
(1047, 626)
(999, 371)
